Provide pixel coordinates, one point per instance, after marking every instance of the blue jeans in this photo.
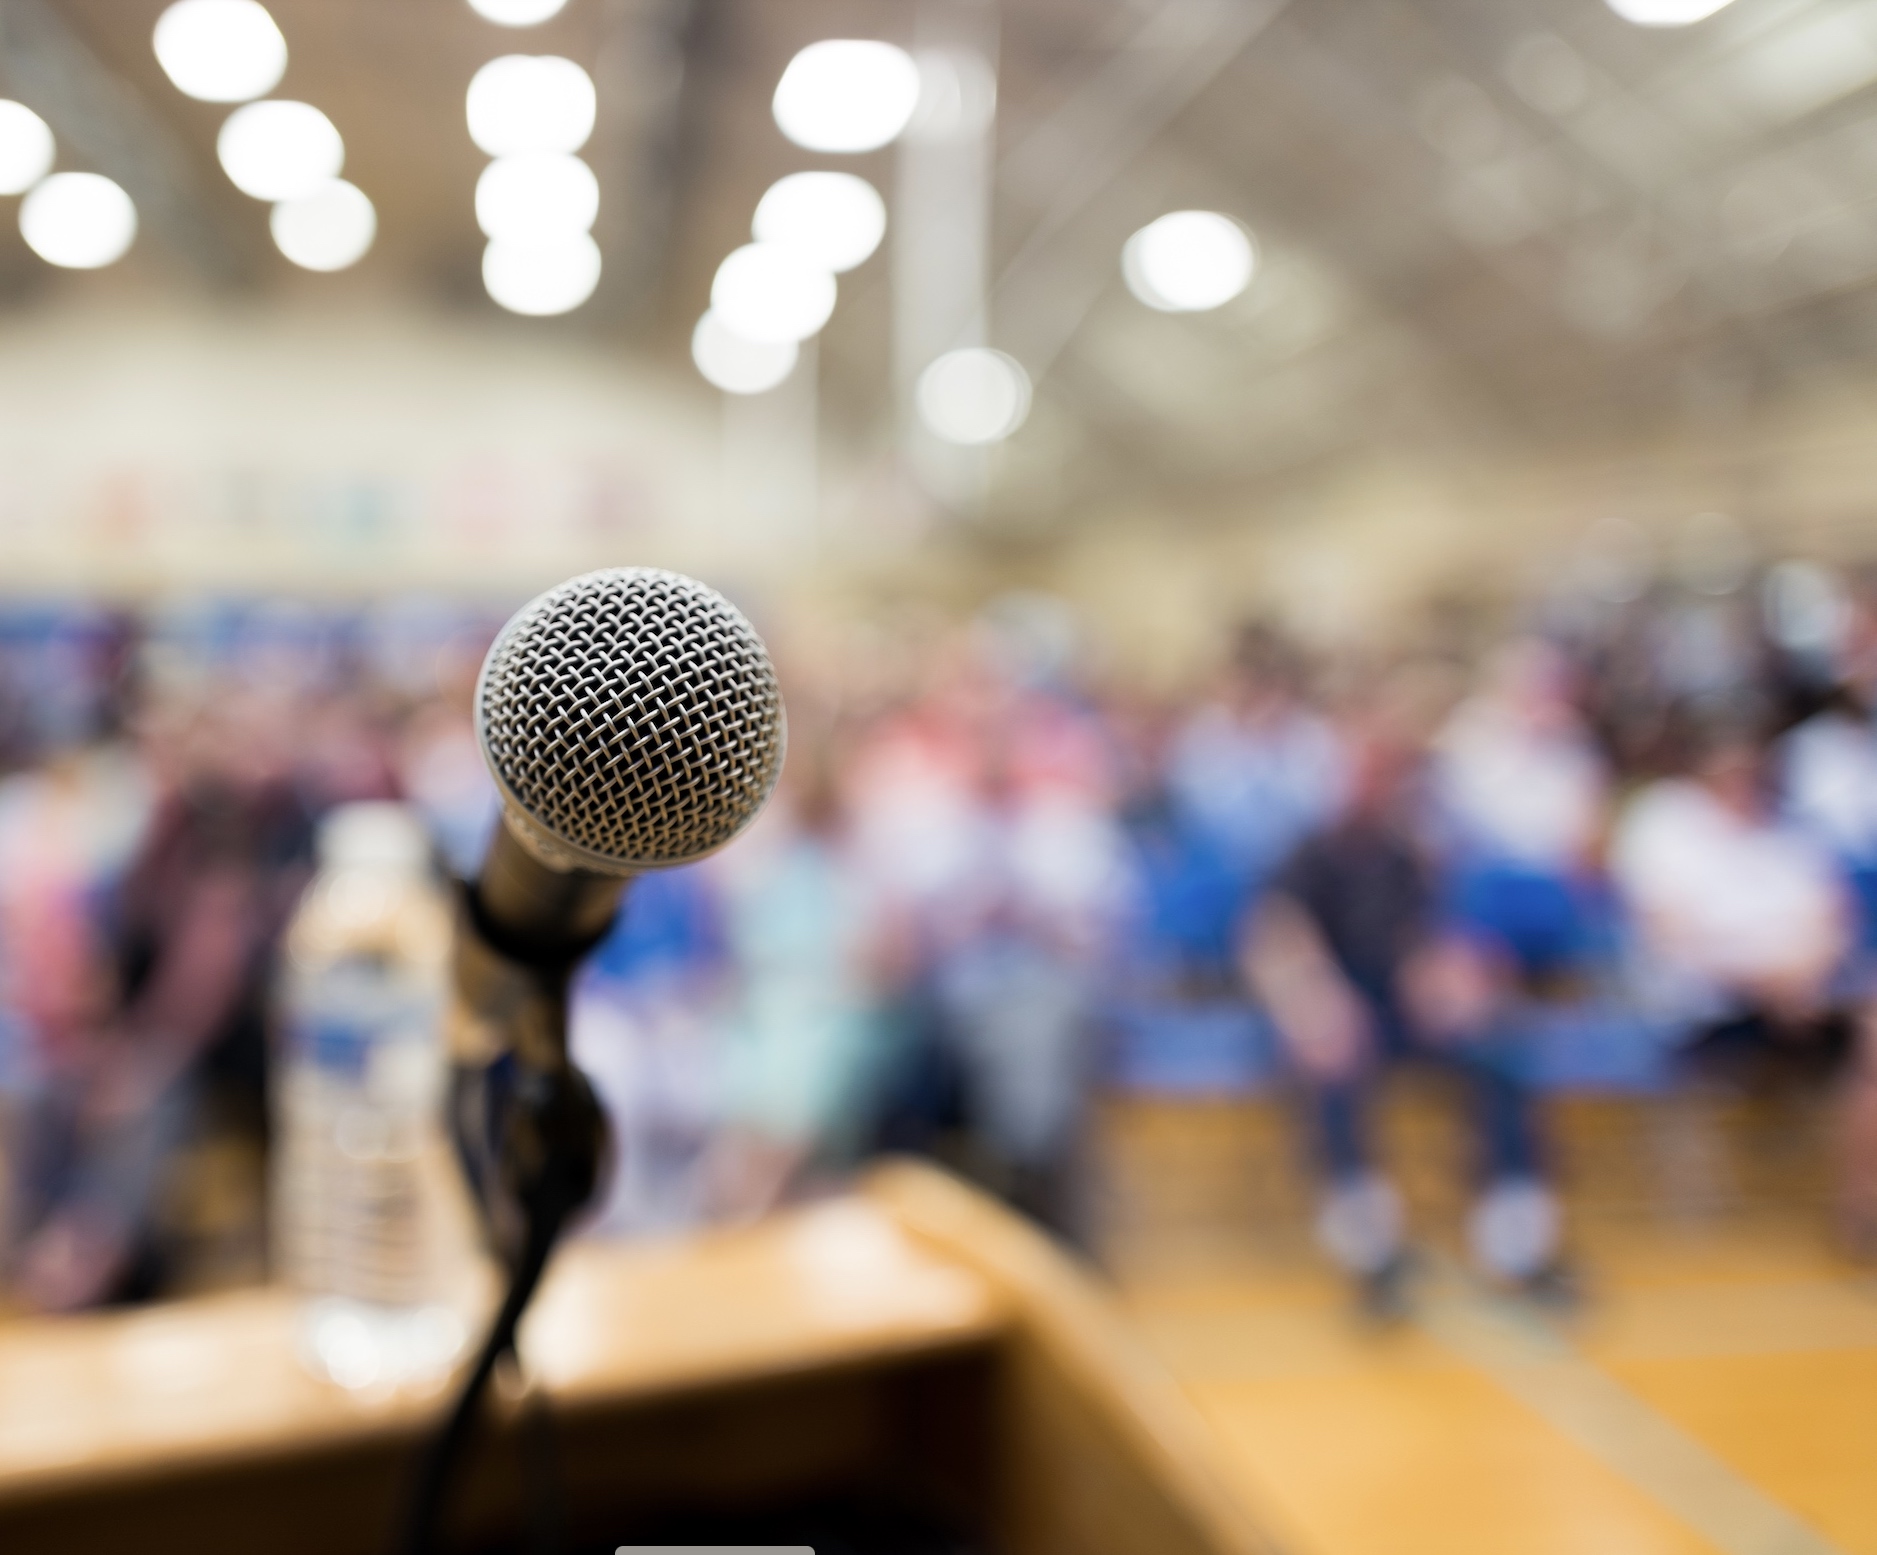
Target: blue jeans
(1494, 1074)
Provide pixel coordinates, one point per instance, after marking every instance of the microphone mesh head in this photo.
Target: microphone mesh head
(632, 720)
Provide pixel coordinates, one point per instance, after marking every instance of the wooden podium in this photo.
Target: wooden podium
(913, 1343)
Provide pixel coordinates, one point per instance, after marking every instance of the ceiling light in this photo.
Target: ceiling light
(329, 229)
(974, 396)
(221, 51)
(516, 13)
(539, 197)
(771, 294)
(1666, 13)
(530, 102)
(736, 365)
(279, 150)
(80, 221)
(834, 220)
(1188, 262)
(847, 94)
(25, 147)
(542, 278)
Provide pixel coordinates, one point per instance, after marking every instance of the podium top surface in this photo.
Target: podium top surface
(217, 1380)
(112, 1425)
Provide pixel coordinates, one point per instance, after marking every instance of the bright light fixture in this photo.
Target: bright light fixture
(80, 221)
(221, 51)
(771, 294)
(834, 220)
(329, 229)
(530, 102)
(542, 278)
(1188, 262)
(25, 147)
(736, 365)
(279, 150)
(974, 396)
(1666, 13)
(542, 196)
(517, 13)
(847, 94)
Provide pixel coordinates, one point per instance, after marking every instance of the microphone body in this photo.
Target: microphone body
(522, 928)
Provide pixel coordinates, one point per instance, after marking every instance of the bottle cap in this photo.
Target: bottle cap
(374, 835)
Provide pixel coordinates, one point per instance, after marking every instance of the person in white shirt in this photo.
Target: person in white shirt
(1745, 925)
(1522, 792)
(1257, 769)
(1828, 771)
(1828, 764)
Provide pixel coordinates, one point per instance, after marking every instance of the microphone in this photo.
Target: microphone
(631, 720)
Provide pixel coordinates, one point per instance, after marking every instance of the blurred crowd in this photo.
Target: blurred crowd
(1631, 839)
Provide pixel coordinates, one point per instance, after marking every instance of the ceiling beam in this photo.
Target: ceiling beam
(98, 115)
(1056, 275)
(641, 75)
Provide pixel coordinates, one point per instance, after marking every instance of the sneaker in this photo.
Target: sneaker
(1557, 1287)
(1385, 1297)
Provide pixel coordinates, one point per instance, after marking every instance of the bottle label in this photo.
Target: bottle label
(358, 1136)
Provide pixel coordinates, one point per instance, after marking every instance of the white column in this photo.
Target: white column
(941, 228)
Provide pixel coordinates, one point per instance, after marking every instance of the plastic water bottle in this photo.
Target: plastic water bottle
(370, 1219)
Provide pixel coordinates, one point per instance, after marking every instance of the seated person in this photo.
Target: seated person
(1256, 768)
(1828, 767)
(1188, 903)
(1358, 969)
(1521, 792)
(1745, 927)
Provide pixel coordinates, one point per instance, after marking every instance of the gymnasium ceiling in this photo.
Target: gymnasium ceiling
(1512, 218)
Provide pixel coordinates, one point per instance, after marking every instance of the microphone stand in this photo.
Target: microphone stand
(559, 1117)
(529, 1130)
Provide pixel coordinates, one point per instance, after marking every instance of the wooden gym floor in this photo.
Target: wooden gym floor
(1717, 1391)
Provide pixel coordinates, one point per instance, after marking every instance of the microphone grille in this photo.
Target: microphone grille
(632, 720)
